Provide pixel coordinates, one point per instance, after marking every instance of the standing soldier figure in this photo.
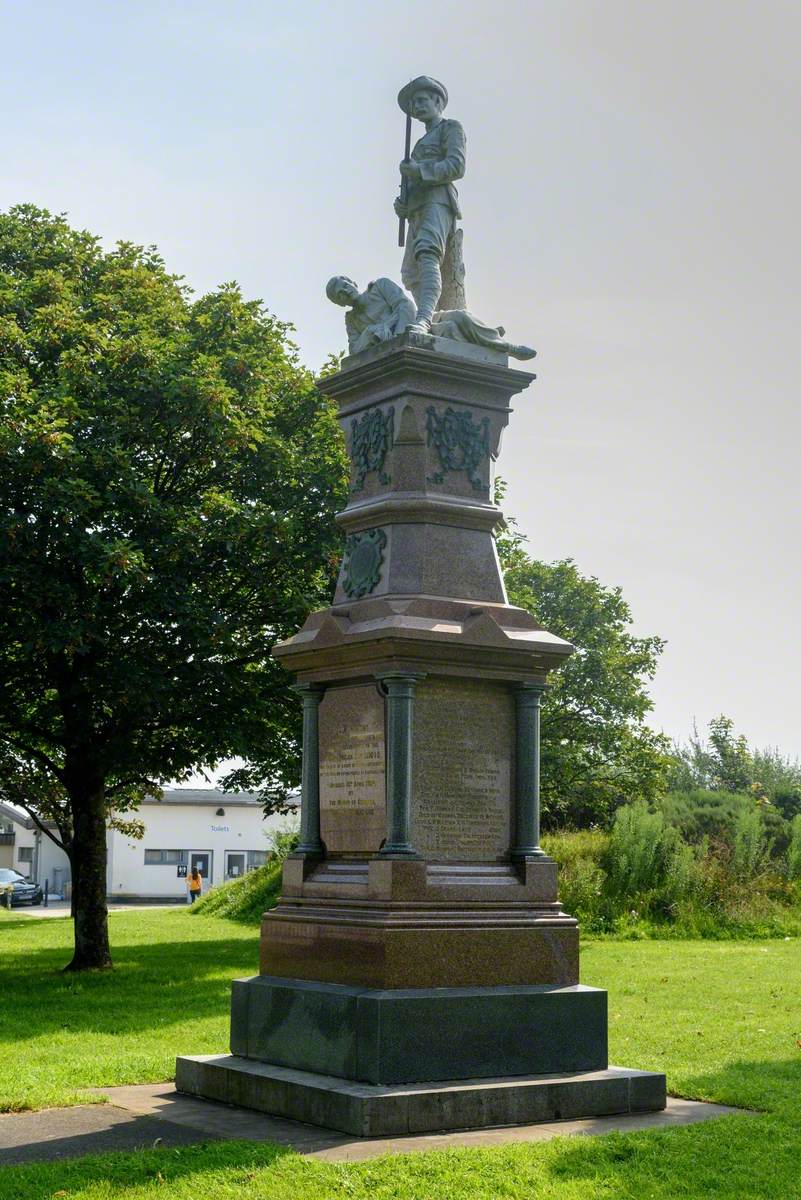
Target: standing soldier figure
(429, 201)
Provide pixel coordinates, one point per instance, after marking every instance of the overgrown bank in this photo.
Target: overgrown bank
(706, 865)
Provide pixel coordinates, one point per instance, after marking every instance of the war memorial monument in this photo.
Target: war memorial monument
(418, 972)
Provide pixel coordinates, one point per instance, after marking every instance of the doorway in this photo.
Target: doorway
(202, 860)
(234, 863)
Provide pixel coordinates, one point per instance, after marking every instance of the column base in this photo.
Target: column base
(367, 1110)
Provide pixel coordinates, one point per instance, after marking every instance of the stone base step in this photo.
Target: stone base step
(369, 1110)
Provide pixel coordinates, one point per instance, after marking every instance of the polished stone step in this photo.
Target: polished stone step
(369, 1110)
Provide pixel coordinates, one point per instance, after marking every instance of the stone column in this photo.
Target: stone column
(528, 698)
(310, 841)
(399, 693)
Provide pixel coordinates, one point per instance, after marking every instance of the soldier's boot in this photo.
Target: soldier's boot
(515, 351)
(429, 291)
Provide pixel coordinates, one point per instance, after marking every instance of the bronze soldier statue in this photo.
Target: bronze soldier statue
(430, 203)
(432, 267)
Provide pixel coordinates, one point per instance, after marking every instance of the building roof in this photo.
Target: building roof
(180, 797)
(9, 813)
(206, 798)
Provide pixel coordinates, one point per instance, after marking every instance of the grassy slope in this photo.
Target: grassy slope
(724, 1019)
(243, 899)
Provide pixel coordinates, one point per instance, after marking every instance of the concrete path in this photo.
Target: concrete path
(61, 908)
(155, 1114)
(57, 1133)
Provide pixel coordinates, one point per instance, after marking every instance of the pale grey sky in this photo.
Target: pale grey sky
(631, 205)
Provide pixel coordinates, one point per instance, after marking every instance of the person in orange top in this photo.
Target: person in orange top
(195, 883)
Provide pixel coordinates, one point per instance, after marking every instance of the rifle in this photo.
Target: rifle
(404, 188)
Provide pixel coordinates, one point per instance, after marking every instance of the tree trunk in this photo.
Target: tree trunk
(88, 858)
(71, 861)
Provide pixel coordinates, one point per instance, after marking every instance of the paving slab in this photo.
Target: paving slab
(141, 1116)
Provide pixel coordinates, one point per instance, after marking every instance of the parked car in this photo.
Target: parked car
(23, 891)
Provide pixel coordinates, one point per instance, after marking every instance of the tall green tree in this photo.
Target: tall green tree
(731, 761)
(168, 477)
(597, 751)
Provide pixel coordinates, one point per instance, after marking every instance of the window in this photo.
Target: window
(25, 854)
(256, 858)
(165, 858)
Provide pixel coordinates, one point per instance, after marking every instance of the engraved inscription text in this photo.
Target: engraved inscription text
(352, 770)
(462, 779)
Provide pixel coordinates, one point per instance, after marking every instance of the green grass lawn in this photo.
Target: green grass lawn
(169, 994)
(722, 1018)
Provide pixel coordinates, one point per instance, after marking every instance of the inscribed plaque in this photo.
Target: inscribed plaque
(352, 770)
(462, 770)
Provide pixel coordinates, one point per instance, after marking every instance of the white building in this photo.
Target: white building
(223, 835)
(25, 848)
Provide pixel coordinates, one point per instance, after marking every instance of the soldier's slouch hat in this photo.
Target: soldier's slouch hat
(421, 83)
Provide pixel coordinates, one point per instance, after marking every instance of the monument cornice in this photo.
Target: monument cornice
(419, 508)
(452, 637)
(385, 649)
(408, 364)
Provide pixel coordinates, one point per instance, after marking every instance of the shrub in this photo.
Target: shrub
(581, 878)
(643, 879)
(750, 851)
(794, 851)
(283, 841)
(701, 813)
(640, 851)
(581, 893)
(571, 848)
(680, 883)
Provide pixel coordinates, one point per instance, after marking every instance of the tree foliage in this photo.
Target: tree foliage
(168, 478)
(597, 751)
(724, 762)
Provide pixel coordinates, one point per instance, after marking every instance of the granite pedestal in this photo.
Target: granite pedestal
(419, 972)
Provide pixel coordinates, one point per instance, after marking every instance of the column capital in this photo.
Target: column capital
(399, 683)
(411, 676)
(309, 689)
(533, 688)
